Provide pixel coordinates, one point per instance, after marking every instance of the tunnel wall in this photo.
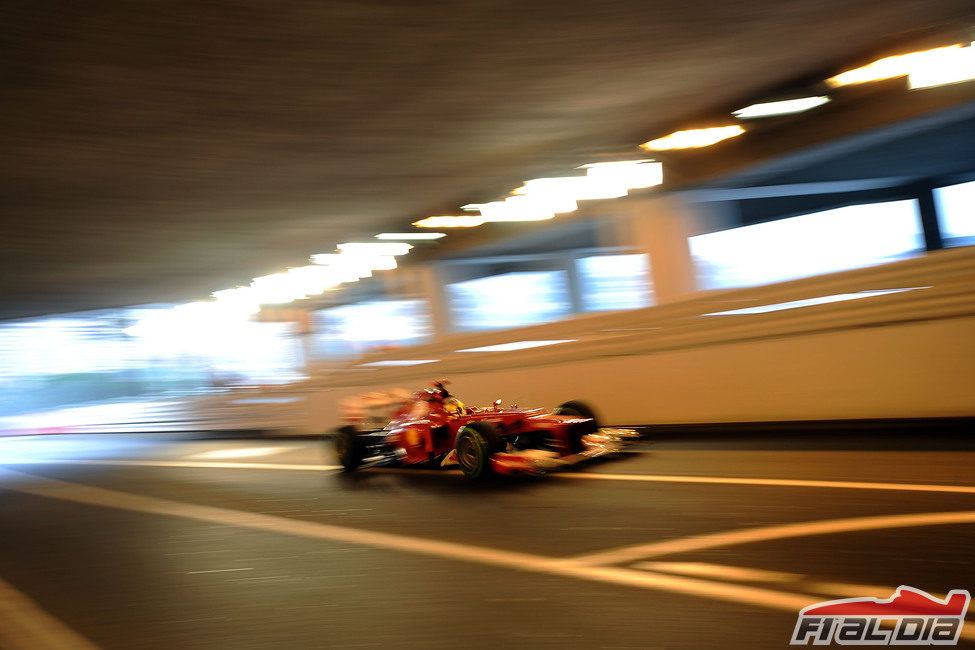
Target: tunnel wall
(908, 370)
(891, 341)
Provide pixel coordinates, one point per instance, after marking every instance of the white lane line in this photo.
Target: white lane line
(569, 568)
(240, 452)
(181, 463)
(192, 573)
(720, 571)
(748, 574)
(778, 482)
(25, 626)
(640, 478)
(76, 493)
(779, 531)
(802, 582)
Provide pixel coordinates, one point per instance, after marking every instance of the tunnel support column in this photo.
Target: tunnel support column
(659, 226)
(427, 283)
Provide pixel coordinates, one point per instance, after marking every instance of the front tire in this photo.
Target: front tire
(579, 409)
(349, 447)
(475, 444)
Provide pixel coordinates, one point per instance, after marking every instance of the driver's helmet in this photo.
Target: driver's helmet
(453, 406)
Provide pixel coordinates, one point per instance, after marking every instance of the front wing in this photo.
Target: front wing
(540, 461)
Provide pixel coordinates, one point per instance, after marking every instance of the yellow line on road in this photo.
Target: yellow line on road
(776, 482)
(637, 478)
(77, 493)
(779, 531)
(569, 568)
(720, 571)
(25, 626)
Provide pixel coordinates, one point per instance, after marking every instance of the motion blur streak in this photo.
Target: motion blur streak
(462, 221)
(954, 66)
(191, 464)
(411, 236)
(786, 107)
(693, 138)
(891, 67)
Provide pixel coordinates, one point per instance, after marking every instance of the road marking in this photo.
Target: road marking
(721, 571)
(640, 478)
(76, 493)
(779, 531)
(569, 568)
(192, 573)
(25, 626)
(747, 574)
(777, 482)
(197, 464)
(240, 452)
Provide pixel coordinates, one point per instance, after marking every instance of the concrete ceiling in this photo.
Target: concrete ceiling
(158, 151)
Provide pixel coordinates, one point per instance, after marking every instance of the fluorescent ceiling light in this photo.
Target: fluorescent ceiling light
(808, 302)
(382, 263)
(517, 345)
(464, 221)
(276, 289)
(503, 211)
(240, 298)
(349, 267)
(565, 191)
(693, 138)
(391, 363)
(952, 66)
(411, 236)
(375, 248)
(786, 107)
(314, 279)
(891, 67)
(632, 174)
(542, 200)
(327, 258)
(518, 208)
(617, 163)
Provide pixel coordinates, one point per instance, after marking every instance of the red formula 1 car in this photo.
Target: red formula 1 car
(434, 428)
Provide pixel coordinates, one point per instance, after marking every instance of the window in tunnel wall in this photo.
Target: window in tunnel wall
(509, 300)
(822, 242)
(611, 282)
(351, 330)
(137, 353)
(956, 213)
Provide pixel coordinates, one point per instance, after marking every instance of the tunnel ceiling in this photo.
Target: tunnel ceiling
(158, 151)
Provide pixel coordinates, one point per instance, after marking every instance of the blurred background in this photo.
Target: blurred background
(747, 230)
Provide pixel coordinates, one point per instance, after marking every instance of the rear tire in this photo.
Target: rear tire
(475, 444)
(349, 447)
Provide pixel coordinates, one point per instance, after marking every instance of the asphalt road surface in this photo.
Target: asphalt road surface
(129, 542)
